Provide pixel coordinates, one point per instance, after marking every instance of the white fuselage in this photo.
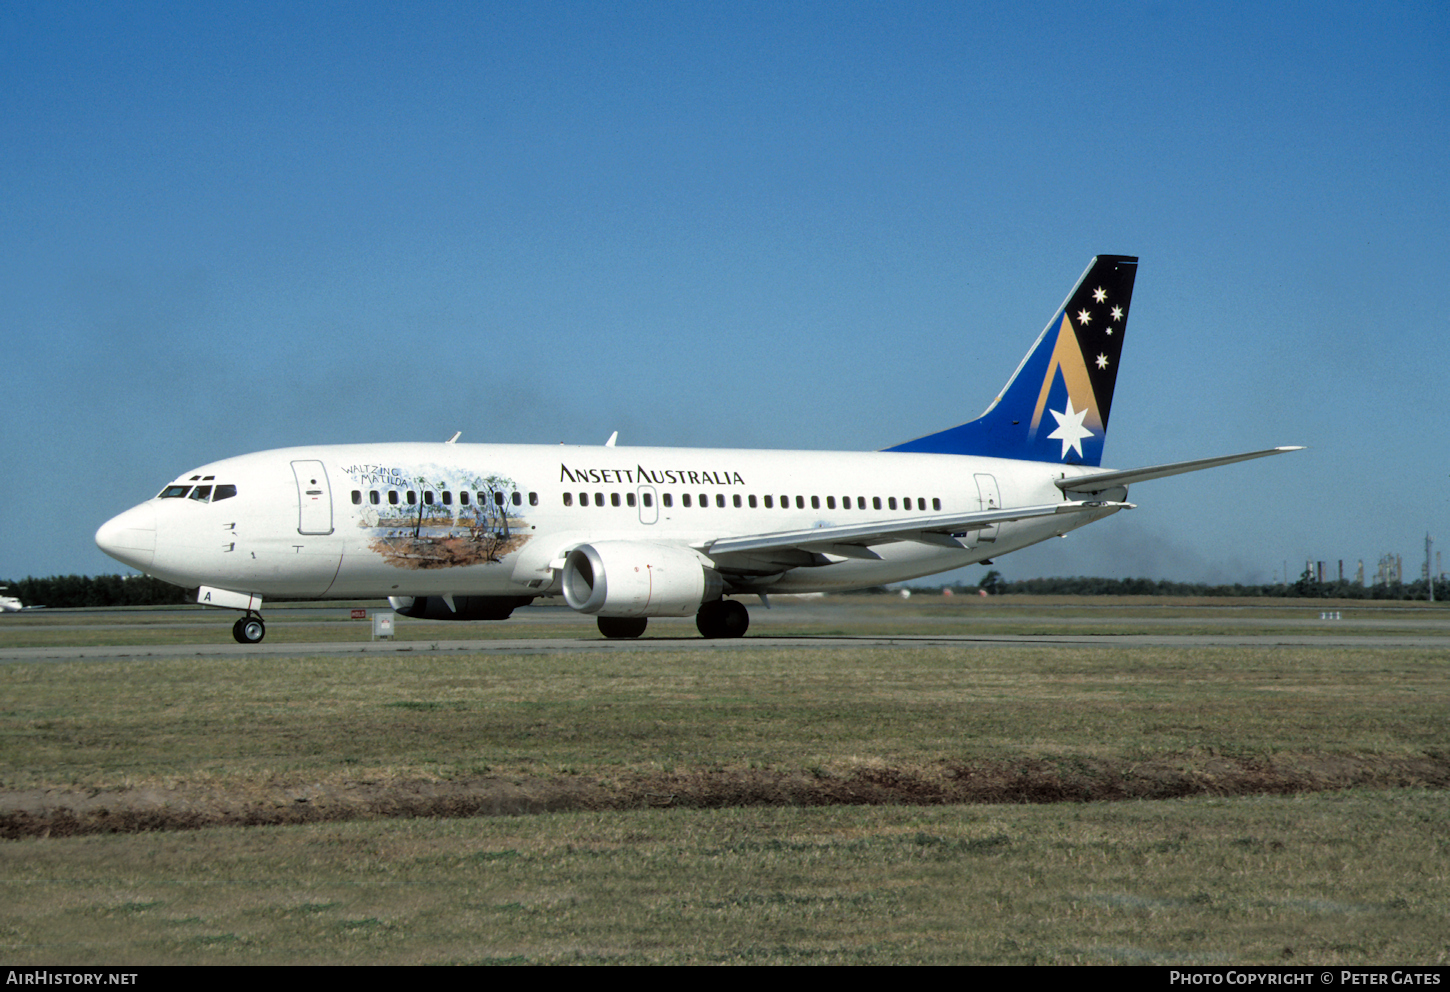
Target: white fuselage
(482, 519)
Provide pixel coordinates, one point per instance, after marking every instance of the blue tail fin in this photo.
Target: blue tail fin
(1055, 407)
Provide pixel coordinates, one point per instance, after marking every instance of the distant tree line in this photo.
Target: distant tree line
(1305, 588)
(96, 590)
(61, 591)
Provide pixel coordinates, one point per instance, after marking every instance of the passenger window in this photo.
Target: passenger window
(201, 493)
(372, 495)
(518, 499)
(875, 502)
(583, 499)
(498, 499)
(649, 500)
(598, 499)
(891, 502)
(356, 497)
(412, 498)
(860, 502)
(614, 499)
(668, 500)
(447, 497)
(800, 502)
(463, 497)
(920, 503)
(174, 492)
(752, 501)
(428, 497)
(533, 499)
(684, 500)
(392, 497)
(629, 498)
(815, 502)
(935, 503)
(704, 500)
(720, 500)
(770, 502)
(223, 492)
(568, 499)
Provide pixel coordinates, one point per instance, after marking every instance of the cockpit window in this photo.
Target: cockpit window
(173, 492)
(202, 493)
(223, 492)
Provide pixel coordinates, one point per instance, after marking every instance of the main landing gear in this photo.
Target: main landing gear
(722, 618)
(249, 629)
(622, 626)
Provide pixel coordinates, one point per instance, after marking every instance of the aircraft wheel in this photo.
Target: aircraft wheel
(707, 619)
(722, 618)
(622, 626)
(249, 630)
(734, 619)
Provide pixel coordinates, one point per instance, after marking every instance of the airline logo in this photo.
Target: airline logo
(1069, 394)
(1056, 406)
(1066, 392)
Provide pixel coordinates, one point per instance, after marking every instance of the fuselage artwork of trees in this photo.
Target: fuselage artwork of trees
(490, 528)
(450, 524)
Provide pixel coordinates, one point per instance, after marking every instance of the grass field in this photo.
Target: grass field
(309, 623)
(770, 805)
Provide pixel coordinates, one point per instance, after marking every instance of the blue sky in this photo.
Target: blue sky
(226, 228)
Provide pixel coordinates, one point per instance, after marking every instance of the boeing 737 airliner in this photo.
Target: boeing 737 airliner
(453, 531)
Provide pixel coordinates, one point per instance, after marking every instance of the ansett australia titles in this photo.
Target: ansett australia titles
(660, 477)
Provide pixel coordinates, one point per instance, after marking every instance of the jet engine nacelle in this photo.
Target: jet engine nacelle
(638, 579)
(468, 607)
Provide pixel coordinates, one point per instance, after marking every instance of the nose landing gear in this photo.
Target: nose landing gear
(249, 629)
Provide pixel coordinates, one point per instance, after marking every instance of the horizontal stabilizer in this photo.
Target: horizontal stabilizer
(1107, 480)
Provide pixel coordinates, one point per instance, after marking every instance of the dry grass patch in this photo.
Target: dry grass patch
(269, 739)
(1330, 879)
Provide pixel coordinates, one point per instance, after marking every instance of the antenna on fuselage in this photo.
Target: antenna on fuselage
(612, 438)
(455, 437)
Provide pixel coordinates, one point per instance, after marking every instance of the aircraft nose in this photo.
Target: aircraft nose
(130, 538)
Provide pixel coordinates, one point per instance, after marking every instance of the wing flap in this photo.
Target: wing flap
(850, 540)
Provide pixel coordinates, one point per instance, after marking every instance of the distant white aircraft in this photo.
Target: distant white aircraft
(11, 604)
(470, 531)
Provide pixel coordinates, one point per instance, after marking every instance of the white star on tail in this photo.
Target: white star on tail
(1070, 430)
(1099, 295)
(1102, 361)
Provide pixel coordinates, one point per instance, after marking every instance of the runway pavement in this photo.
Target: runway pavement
(558, 631)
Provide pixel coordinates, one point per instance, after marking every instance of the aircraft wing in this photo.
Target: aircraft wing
(854, 540)
(1107, 480)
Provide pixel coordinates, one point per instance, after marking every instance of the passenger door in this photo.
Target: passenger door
(314, 498)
